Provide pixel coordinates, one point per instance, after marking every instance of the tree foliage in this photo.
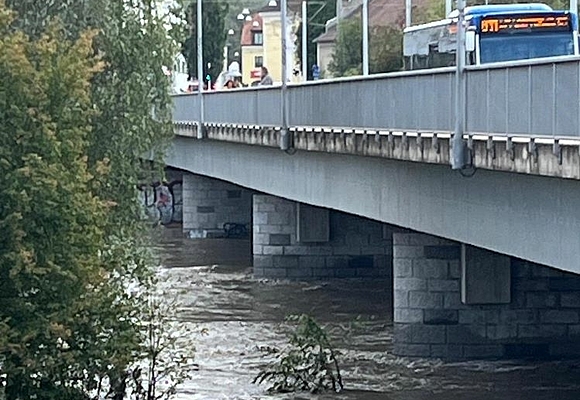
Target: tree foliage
(318, 14)
(83, 98)
(385, 49)
(347, 56)
(214, 37)
(308, 364)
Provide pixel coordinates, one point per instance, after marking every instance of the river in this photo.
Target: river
(217, 295)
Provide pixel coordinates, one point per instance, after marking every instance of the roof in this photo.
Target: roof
(249, 28)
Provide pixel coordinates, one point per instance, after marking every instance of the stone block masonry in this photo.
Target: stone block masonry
(210, 203)
(357, 247)
(542, 318)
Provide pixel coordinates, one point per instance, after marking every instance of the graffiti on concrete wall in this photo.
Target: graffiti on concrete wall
(162, 201)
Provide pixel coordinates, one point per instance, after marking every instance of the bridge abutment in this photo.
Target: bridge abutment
(297, 241)
(459, 302)
(209, 203)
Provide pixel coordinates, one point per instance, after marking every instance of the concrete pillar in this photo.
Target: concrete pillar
(209, 203)
(540, 317)
(295, 241)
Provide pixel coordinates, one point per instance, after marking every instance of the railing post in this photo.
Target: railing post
(365, 38)
(458, 144)
(200, 77)
(285, 139)
(304, 40)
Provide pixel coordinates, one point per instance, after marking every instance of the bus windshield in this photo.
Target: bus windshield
(497, 48)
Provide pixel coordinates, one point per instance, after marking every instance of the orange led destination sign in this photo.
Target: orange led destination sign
(535, 23)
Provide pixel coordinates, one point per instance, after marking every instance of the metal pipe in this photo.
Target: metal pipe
(365, 38)
(458, 144)
(304, 41)
(408, 9)
(200, 77)
(284, 133)
(448, 6)
(574, 6)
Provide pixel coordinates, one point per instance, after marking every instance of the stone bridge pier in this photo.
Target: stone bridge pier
(298, 241)
(210, 203)
(459, 302)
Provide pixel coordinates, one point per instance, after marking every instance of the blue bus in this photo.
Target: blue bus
(494, 33)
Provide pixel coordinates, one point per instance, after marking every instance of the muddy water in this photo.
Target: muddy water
(217, 293)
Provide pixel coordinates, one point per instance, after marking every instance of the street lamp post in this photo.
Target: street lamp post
(365, 38)
(200, 77)
(304, 41)
(458, 144)
(284, 133)
(231, 32)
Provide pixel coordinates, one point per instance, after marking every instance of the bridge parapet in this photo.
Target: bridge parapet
(520, 116)
(524, 98)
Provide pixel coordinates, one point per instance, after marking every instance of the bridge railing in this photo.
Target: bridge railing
(540, 98)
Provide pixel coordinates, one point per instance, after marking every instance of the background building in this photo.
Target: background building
(261, 44)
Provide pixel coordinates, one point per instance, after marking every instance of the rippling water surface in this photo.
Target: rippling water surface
(216, 292)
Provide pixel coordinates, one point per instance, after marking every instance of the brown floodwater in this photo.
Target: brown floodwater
(238, 314)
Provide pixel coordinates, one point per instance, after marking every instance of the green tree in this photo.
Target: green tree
(347, 56)
(386, 49)
(52, 223)
(214, 37)
(74, 127)
(318, 13)
(309, 363)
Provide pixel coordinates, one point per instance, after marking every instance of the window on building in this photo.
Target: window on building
(258, 61)
(257, 38)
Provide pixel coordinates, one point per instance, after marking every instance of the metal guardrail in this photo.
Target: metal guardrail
(525, 98)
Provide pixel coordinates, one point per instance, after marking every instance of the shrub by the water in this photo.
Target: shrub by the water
(308, 363)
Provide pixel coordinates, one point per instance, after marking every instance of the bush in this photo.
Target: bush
(308, 364)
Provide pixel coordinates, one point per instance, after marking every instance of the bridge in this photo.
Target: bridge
(484, 260)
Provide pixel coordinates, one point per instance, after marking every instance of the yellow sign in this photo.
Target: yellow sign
(495, 25)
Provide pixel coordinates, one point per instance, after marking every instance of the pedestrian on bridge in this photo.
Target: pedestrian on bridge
(266, 78)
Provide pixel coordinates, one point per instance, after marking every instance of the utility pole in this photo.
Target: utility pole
(458, 144)
(284, 133)
(304, 40)
(365, 38)
(200, 77)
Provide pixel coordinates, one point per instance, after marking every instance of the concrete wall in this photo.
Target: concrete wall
(210, 203)
(541, 320)
(358, 247)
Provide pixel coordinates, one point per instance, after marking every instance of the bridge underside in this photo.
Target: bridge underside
(530, 217)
